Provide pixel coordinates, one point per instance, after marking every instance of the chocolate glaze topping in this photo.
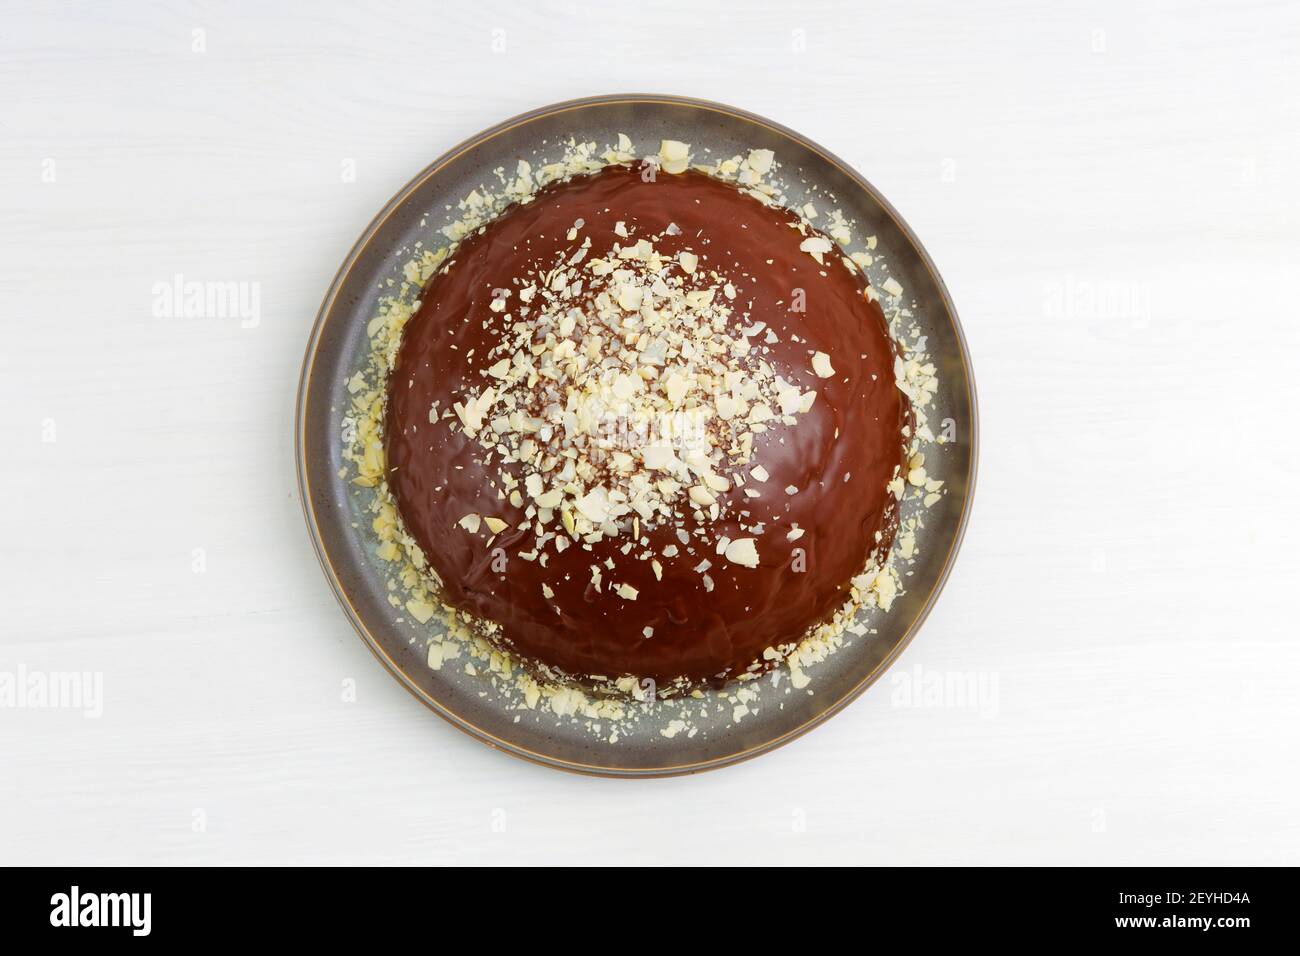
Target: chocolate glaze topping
(840, 455)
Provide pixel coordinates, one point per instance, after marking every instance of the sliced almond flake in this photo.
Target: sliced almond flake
(674, 156)
(743, 551)
(817, 247)
(422, 611)
(760, 160)
(702, 496)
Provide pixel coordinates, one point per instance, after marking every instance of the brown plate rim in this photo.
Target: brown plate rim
(304, 478)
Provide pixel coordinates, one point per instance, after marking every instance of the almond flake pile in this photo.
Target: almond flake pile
(642, 341)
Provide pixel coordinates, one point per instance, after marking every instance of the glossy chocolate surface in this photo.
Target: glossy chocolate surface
(840, 455)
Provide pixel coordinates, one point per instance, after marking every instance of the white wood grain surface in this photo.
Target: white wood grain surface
(1109, 190)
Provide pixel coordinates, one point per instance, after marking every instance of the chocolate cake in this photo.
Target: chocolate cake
(643, 425)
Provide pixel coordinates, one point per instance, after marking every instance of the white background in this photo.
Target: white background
(1109, 190)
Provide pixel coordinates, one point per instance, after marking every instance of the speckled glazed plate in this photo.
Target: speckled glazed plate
(340, 525)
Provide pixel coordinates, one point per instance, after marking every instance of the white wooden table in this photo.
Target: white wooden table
(1110, 192)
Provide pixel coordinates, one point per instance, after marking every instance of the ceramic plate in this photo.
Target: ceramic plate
(340, 526)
